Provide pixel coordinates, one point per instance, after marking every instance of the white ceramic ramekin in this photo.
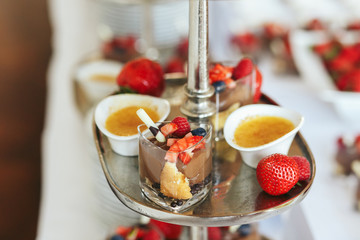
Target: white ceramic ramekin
(127, 145)
(252, 156)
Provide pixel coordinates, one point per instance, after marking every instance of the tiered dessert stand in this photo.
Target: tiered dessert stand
(236, 197)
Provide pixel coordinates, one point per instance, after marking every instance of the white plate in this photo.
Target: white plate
(312, 70)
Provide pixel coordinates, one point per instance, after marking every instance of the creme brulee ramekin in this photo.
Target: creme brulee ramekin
(127, 145)
(252, 156)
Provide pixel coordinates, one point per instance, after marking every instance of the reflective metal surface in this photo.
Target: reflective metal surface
(236, 197)
(198, 90)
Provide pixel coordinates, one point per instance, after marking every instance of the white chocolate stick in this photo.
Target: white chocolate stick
(151, 125)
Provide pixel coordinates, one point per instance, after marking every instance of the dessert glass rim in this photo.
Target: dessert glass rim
(208, 132)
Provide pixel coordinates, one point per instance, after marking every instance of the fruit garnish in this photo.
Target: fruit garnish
(171, 141)
(199, 132)
(169, 128)
(243, 68)
(220, 73)
(277, 174)
(185, 157)
(304, 167)
(258, 83)
(170, 231)
(214, 233)
(191, 141)
(189, 134)
(151, 125)
(247, 42)
(219, 86)
(143, 76)
(183, 126)
(178, 148)
(173, 183)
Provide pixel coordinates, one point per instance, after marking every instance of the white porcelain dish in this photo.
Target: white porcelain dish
(97, 78)
(252, 156)
(313, 72)
(127, 145)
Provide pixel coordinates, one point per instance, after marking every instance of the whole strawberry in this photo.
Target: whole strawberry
(304, 167)
(142, 76)
(244, 68)
(277, 174)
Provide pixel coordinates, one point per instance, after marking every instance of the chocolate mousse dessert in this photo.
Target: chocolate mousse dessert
(234, 87)
(175, 172)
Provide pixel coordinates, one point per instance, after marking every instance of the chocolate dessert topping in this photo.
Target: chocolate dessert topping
(154, 130)
(150, 124)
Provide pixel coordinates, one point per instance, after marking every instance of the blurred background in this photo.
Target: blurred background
(52, 186)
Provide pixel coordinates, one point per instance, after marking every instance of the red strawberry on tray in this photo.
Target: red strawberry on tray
(277, 174)
(142, 76)
(304, 167)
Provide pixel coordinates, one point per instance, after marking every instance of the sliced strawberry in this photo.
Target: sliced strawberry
(182, 144)
(219, 73)
(169, 128)
(171, 141)
(171, 156)
(188, 135)
(185, 157)
(194, 140)
(175, 147)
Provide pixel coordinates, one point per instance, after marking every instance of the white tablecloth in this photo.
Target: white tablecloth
(70, 206)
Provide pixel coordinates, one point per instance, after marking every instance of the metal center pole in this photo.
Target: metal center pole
(198, 107)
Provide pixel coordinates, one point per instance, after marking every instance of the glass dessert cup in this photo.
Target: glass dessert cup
(175, 186)
(227, 100)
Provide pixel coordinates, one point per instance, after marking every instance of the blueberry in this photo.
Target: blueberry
(219, 86)
(173, 204)
(199, 132)
(244, 230)
(117, 237)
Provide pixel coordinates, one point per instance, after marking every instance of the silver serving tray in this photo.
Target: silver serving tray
(236, 197)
